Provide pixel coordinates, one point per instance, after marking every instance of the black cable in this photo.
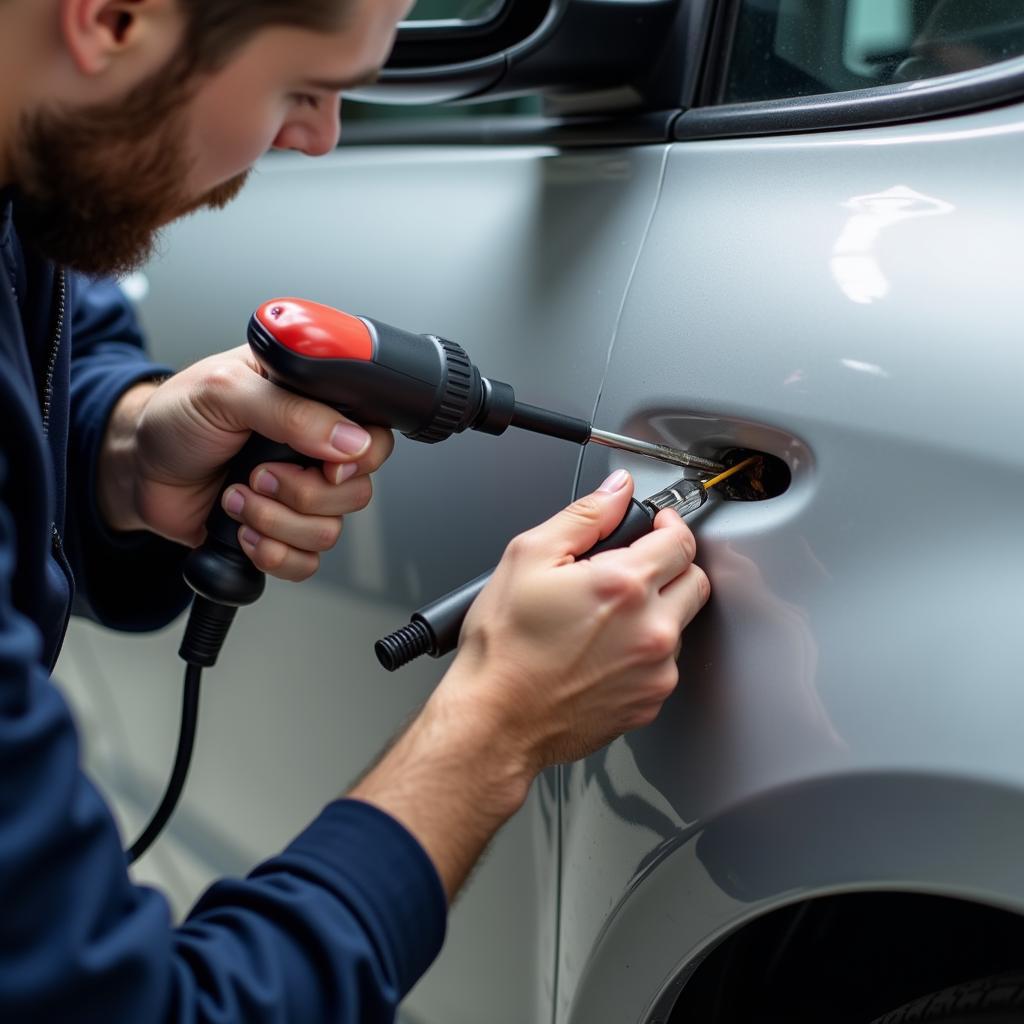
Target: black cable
(182, 759)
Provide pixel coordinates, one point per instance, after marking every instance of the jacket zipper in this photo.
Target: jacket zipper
(51, 364)
(65, 567)
(47, 407)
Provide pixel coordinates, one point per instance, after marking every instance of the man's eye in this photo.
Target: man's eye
(305, 99)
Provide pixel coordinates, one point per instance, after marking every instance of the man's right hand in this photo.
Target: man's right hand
(558, 658)
(569, 654)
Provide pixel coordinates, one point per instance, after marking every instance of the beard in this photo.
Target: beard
(95, 186)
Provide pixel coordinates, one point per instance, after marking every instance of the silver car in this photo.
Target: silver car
(793, 227)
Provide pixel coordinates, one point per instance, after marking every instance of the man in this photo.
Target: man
(117, 116)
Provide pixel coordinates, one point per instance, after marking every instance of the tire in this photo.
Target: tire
(995, 1000)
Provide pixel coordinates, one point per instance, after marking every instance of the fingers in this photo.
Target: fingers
(666, 553)
(290, 515)
(307, 492)
(382, 445)
(581, 525)
(277, 559)
(685, 596)
(239, 398)
(276, 521)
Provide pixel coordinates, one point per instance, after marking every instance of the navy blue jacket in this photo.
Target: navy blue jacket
(337, 928)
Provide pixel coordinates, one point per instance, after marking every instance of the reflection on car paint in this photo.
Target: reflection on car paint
(855, 266)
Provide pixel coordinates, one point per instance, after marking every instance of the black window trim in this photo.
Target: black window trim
(982, 88)
(581, 132)
(990, 86)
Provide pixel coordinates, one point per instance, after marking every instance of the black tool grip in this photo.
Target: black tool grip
(219, 570)
(435, 628)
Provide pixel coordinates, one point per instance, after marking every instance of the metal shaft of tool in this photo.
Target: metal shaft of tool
(651, 450)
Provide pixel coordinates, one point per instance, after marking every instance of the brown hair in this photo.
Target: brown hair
(217, 28)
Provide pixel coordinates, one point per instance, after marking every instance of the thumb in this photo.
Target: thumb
(580, 526)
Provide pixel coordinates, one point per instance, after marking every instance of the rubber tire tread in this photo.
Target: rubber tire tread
(998, 999)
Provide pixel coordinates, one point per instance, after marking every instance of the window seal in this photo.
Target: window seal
(718, 53)
(991, 86)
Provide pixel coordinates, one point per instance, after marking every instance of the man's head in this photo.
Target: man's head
(117, 116)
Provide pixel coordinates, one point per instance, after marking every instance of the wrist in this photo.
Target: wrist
(118, 467)
(451, 780)
(456, 718)
(449, 750)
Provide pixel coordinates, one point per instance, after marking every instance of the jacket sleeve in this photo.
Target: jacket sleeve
(124, 581)
(337, 928)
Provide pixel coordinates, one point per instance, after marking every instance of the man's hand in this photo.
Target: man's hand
(167, 447)
(569, 654)
(558, 657)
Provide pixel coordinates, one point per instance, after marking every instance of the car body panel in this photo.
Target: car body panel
(851, 700)
(521, 254)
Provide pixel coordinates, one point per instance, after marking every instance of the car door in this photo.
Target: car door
(830, 270)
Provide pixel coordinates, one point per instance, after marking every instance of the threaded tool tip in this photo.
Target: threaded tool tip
(404, 645)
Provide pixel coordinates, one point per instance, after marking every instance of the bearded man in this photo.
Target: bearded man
(116, 117)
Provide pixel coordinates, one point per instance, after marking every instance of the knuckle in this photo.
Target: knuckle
(296, 415)
(221, 379)
(586, 509)
(520, 547)
(262, 516)
(223, 375)
(618, 582)
(271, 557)
(327, 535)
(305, 497)
(687, 543)
(659, 641)
(666, 681)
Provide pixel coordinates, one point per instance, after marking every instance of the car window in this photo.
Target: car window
(454, 10)
(786, 48)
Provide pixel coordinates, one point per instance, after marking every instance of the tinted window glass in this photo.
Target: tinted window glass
(807, 47)
(455, 10)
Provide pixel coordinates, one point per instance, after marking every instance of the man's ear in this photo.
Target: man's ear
(98, 32)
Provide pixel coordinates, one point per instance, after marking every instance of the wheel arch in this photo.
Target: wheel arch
(899, 832)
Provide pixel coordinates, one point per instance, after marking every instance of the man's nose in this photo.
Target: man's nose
(314, 135)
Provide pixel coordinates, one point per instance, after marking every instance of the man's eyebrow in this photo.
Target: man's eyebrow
(343, 84)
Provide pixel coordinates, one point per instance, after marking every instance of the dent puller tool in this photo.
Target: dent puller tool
(435, 628)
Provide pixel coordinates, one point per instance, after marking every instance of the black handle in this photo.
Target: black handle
(435, 627)
(220, 570)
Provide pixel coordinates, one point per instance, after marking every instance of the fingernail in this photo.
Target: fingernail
(234, 502)
(267, 483)
(346, 472)
(349, 439)
(250, 537)
(615, 482)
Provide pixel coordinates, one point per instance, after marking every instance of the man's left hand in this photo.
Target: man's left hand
(167, 447)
